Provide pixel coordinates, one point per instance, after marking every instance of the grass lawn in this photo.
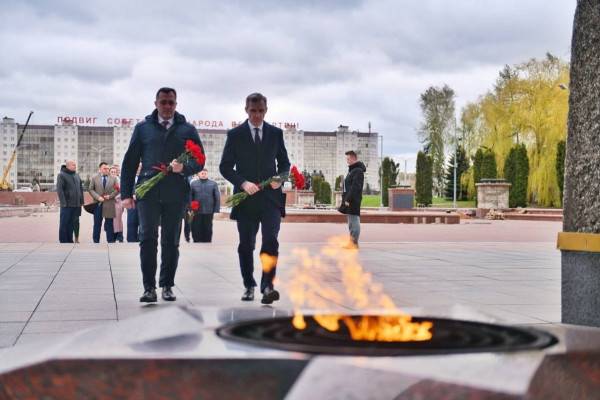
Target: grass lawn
(371, 200)
(443, 203)
(374, 200)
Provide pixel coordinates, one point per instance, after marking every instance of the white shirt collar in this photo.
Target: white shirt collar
(161, 119)
(259, 127)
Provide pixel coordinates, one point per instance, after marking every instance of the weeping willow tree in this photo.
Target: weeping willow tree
(528, 105)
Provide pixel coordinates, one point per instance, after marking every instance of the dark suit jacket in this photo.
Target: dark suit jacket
(152, 144)
(243, 160)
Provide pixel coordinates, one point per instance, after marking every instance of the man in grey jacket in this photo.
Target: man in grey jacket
(206, 192)
(70, 195)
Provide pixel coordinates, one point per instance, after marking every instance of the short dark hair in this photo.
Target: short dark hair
(351, 153)
(101, 164)
(166, 90)
(255, 98)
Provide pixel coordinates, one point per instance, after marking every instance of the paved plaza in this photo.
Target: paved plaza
(506, 271)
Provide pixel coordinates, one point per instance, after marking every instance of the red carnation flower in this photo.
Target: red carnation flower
(298, 178)
(196, 151)
(195, 205)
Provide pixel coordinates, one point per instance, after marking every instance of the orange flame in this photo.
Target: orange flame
(268, 262)
(313, 285)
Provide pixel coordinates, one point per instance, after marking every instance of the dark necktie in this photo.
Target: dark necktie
(256, 136)
(104, 181)
(165, 123)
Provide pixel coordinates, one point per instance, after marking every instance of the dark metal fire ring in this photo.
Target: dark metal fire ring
(449, 337)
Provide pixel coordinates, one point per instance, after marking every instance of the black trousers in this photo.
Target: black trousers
(151, 214)
(202, 228)
(187, 227)
(133, 225)
(108, 226)
(68, 215)
(269, 221)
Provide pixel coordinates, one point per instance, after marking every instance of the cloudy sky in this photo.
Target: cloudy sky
(320, 63)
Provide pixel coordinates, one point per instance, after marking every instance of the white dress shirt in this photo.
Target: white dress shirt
(170, 124)
(260, 130)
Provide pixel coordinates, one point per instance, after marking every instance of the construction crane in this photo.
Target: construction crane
(5, 182)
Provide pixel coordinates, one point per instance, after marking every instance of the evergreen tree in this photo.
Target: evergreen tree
(338, 182)
(322, 190)
(325, 192)
(484, 165)
(462, 167)
(516, 172)
(389, 173)
(424, 179)
(316, 187)
(560, 166)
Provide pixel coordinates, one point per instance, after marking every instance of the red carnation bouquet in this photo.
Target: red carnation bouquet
(192, 151)
(192, 210)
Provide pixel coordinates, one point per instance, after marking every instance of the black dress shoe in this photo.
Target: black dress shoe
(269, 296)
(248, 294)
(149, 296)
(167, 294)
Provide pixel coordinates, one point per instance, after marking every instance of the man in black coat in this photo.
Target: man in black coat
(206, 192)
(159, 139)
(70, 195)
(254, 152)
(352, 195)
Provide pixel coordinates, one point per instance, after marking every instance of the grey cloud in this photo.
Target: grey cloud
(320, 62)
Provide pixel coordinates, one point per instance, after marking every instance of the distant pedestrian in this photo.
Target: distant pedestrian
(70, 195)
(103, 191)
(133, 221)
(352, 195)
(118, 220)
(187, 216)
(206, 192)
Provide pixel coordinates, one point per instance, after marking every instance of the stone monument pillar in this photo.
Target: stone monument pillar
(580, 241)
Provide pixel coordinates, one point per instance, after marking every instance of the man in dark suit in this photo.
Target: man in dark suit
(254, 152)
(159, 139)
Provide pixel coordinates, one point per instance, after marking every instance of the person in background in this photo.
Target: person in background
(102, 190)
(206, 192)
(118, 220)
(352, 195)
(187, 225)
(70, 195)
(133, 222)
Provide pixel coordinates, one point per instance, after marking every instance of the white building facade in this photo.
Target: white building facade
(89, 145)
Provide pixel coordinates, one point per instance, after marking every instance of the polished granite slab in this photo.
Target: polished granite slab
(176, 350)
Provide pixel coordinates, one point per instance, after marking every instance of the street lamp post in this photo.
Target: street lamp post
(381, 171)
(455, 165)
(99, 150)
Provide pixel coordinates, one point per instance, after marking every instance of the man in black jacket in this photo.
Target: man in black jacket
(159, 140)
(206, 192)
(254, 152)
(352, 195)
(70, 195)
